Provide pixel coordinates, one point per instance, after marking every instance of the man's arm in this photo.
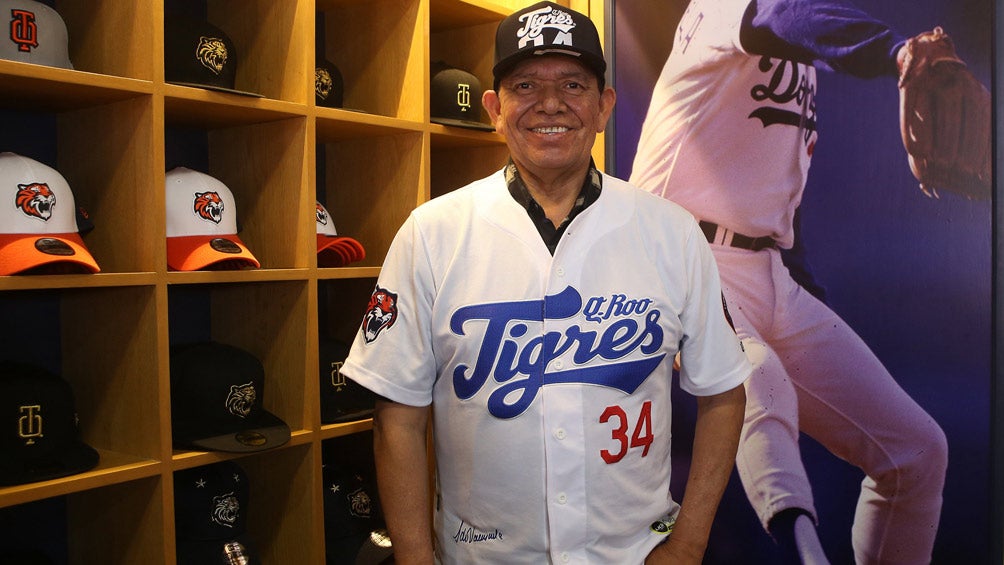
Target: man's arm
(716, 439)
(400, 450)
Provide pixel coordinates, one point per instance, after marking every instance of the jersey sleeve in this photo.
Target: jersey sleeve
(828, 33)
(392, 353)
(712, 360)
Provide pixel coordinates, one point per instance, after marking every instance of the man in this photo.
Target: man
(534, 315)
(729, 135)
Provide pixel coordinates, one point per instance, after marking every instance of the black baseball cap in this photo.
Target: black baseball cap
(342, 399)
(216, 400)
(353, 525)
(199, 54)
(455, 98)
(546, 28)
(329, 86)
(39, 437)
(210, 515)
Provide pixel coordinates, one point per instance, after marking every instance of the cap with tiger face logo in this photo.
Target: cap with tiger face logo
(38, 221)
(334, 250)
(202, 224)
(217, 400)
(198, 53)
(210, 514)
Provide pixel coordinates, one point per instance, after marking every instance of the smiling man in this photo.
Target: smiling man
(533, 316)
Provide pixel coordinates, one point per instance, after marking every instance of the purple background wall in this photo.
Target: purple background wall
(911, 274)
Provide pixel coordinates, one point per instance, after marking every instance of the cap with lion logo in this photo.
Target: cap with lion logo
(210, 515)
(334, 250)
(329, 86)
(546, 28)
(38, 220)
(198, 53)
(35, 33)
(39, 434)
(216, 400)
(202, 224)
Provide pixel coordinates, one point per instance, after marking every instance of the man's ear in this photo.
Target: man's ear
(490, 100)
(607, 100)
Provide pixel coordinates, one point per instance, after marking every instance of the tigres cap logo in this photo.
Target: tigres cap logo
(212, 53)
(35, 200)
(209, 206)
(323, 83)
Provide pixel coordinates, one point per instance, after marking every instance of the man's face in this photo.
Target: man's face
(550, 108)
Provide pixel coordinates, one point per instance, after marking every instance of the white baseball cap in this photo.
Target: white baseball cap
(38, 219)
(202, 224)
(35, 34)
(334, 250)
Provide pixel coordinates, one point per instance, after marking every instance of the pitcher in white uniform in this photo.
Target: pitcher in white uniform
(729, 135)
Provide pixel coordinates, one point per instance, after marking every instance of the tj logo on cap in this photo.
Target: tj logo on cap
(23, 30)
(539, 20)
(30, 423)
(464, 97)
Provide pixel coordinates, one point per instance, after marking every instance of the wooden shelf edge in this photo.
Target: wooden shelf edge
(113, 468)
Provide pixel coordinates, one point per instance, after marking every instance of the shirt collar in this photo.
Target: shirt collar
(590, 191)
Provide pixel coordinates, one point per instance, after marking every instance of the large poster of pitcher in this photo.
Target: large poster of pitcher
(847, 201)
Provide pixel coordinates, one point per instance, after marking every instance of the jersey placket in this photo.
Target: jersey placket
(564, 446)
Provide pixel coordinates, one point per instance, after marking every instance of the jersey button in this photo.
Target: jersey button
(560, 271)
(560, 433)
(565, 557)
(562, 498)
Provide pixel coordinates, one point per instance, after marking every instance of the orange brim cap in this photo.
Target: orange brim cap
(195, 252)
(338, 251)
(21, 252)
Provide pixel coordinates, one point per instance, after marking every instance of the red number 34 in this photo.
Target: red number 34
(641, 437)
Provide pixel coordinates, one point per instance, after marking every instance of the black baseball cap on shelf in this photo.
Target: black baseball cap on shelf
(546, 28)
(455, 98)
(39, 434)
(353, 528)
(199, 54)
(342, 399)
(329, 86)
(216, 400)
(210, 515)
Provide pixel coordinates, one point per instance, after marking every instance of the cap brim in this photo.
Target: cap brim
(21, 252)
(338, 251)
(590, 60)
(195, 252)
(217, 88)
(262, 430)
(217, 551)
(76, 458)
(340, 416)
(463, 124)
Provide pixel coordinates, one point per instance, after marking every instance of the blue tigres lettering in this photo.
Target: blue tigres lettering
(503, 357)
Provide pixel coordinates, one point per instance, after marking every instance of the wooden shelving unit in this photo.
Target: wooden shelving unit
(112, 127)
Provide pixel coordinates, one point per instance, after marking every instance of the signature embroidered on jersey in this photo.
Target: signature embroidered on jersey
(467, 533)
(519, 366)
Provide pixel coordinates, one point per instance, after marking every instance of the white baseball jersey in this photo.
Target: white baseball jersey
(550, 376)
(719, 149)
